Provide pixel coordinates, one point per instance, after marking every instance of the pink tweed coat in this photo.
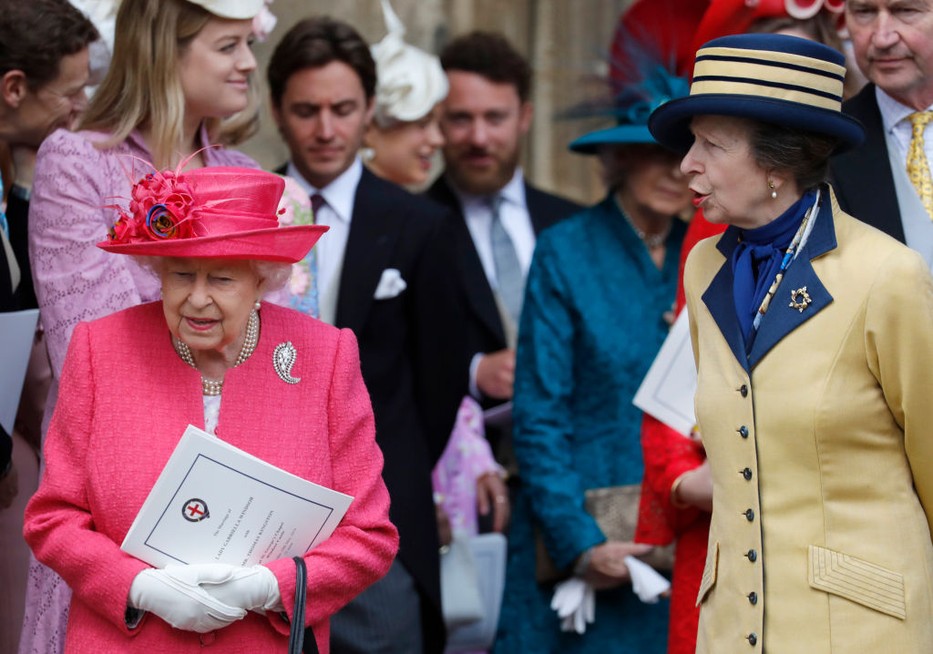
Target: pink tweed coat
(125, 399)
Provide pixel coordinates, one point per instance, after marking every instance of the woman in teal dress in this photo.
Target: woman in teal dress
(597, 292)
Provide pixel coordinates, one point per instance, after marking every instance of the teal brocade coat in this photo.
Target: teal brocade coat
(592, 324)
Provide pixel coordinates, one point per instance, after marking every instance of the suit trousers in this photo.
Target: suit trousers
(383, 619)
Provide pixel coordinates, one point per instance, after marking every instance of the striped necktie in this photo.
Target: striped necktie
(918, 168)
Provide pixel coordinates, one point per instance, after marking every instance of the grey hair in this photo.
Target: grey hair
(273, 275)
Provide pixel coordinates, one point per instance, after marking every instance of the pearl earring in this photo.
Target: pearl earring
(367, 154)
(773, 190)
(257, 305)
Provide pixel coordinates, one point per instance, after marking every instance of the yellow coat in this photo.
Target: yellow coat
(821, 447)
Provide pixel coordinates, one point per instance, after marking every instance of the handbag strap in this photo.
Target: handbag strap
(296, 635)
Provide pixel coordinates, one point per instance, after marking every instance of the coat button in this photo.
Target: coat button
(747, 473)
(749, 515)
(753, 598)
(743, 431)
(743, 389)
(208, 638)
(752, 555)
(752, 639)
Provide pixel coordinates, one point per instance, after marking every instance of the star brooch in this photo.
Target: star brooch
(800, 299)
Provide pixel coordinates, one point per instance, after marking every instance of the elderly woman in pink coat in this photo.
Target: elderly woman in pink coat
(204, 355)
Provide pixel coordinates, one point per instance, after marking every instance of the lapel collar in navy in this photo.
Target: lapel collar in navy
(782, 318)
(718, 298)
(373, 232)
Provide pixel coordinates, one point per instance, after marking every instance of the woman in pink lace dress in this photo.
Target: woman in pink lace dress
(182, 86)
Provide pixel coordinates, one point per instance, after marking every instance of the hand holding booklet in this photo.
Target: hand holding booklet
(215, 503)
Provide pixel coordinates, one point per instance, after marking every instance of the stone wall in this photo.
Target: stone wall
(565, 40)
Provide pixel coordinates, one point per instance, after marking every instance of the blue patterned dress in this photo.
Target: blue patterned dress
(591, 325)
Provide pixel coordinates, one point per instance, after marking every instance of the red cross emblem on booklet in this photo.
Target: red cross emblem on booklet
(195, 510)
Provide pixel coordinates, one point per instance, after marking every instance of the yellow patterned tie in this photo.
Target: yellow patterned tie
(918, 168)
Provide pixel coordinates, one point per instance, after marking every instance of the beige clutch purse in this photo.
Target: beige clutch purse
(615, 509)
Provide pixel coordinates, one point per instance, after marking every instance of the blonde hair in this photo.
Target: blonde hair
(143, 87)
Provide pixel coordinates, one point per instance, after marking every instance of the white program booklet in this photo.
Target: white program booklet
(215, 503)
(668, 389)
(19, 330)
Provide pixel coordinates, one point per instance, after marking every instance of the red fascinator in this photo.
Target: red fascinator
(216, 213)
(727, 17)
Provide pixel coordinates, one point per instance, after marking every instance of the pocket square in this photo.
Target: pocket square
(390, 284)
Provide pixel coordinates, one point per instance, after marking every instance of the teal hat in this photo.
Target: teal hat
(632, 109)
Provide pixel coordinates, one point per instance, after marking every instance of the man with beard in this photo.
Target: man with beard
(498, 213)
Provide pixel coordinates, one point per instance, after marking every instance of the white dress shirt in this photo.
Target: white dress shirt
(896, 120)
(898, 132)
(513, 212)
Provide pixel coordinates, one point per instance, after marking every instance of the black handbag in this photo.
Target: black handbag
(296, 636)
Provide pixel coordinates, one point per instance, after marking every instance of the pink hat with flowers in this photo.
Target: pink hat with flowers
(210, 213)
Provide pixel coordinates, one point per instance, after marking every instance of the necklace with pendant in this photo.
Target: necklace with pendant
(651, 241)
(214, 387)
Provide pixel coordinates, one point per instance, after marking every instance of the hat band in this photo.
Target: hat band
(769, 74)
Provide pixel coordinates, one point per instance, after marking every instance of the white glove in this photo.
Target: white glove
(175, 594)
(647, 583)
(253, 589)
(575, 603)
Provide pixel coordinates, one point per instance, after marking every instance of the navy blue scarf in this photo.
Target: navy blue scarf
(756, 261)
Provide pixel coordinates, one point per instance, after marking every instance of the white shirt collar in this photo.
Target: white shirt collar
(340, 194)
(513, 192)
(893, 112)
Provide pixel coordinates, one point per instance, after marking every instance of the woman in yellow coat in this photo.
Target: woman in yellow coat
(813, 336)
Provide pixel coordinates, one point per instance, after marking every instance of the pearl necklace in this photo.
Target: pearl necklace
(651, 241)
(213, 387)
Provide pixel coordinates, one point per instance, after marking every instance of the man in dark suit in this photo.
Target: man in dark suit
(484, 119)
(892, 44)
(42, 84)
(384, 271)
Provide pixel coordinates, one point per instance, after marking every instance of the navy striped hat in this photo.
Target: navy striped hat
(773, 78)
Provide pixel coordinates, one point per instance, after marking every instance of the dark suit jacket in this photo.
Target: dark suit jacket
(24, 297)
(17, 212)
(862, 177)
(485, 331)
(413, 357)
(6, 283)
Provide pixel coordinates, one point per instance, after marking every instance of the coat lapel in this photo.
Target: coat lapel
(782, 318)
(537, 209)
(718, 299)
(479, 292)
(863, 175)
(373, 232)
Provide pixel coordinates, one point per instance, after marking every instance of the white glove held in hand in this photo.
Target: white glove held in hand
(175, 594)
(647, 583)
(253, 589)
(575, 603)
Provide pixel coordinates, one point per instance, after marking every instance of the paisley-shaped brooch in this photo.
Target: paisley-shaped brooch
(283, 360)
